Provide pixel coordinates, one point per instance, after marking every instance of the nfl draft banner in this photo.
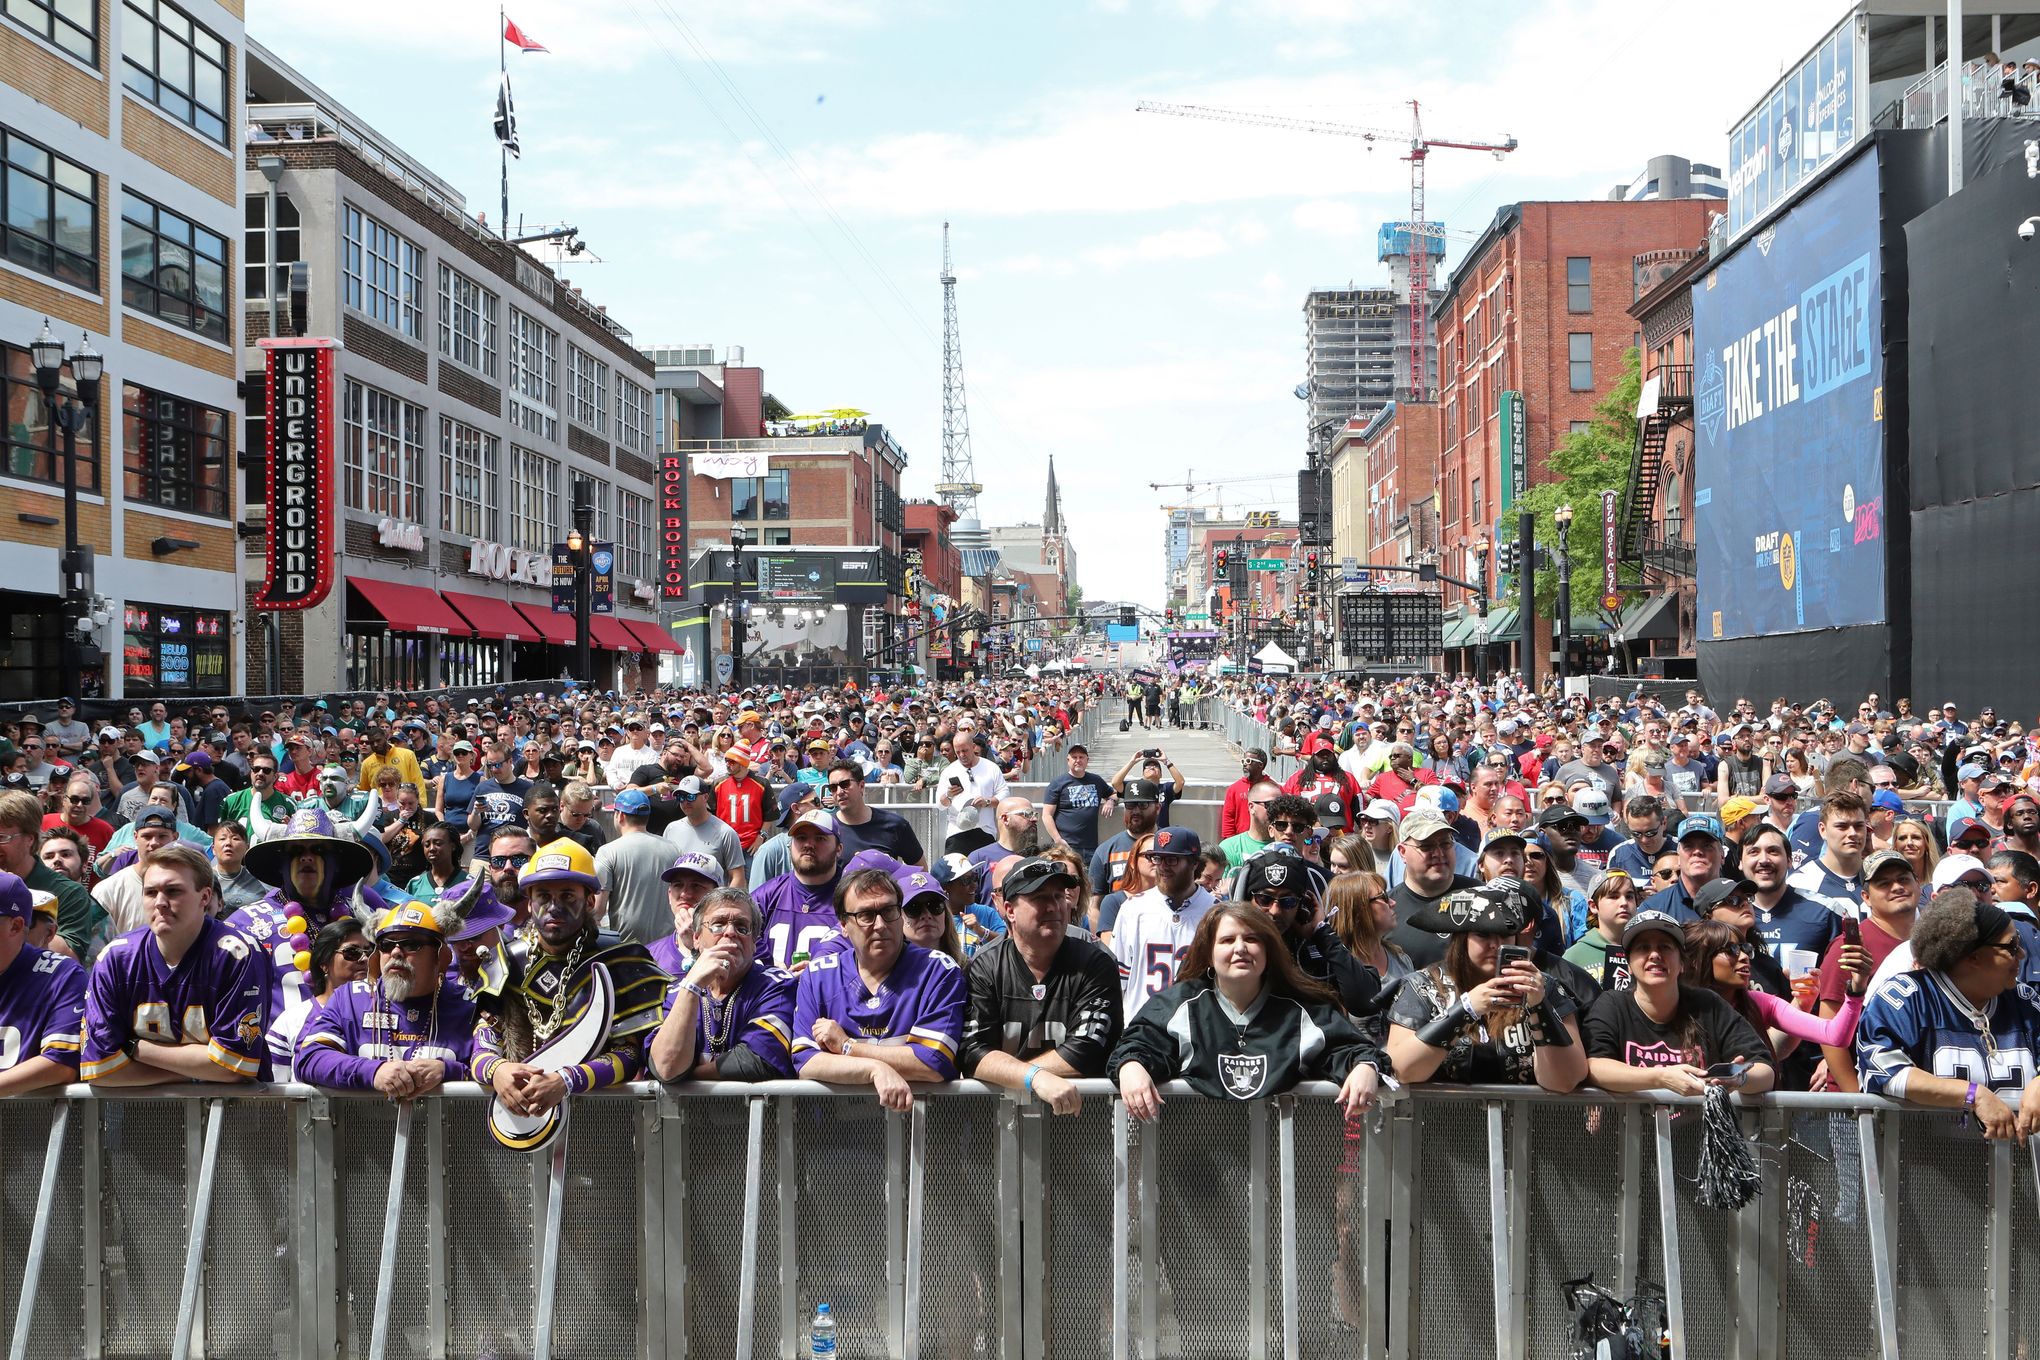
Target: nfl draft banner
(299, 551)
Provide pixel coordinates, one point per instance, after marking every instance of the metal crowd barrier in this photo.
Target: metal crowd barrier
(710, 1220)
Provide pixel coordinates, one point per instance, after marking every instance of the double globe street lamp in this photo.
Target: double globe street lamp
(68, 414)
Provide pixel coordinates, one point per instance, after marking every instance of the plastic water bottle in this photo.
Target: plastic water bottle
(822, 1336)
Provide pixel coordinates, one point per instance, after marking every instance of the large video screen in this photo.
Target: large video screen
(1788, 408)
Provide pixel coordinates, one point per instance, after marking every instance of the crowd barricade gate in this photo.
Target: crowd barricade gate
(709, 1220)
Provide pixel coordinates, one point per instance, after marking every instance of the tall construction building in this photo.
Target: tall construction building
(1176, 549)
(1356, 342)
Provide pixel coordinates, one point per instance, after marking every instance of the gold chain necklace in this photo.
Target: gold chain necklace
(541, 1031)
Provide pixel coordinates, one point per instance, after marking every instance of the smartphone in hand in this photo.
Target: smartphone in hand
(1511, 955)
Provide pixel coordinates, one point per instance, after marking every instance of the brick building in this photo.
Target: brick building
(1539, 306)
(474, 388)
(120, 126)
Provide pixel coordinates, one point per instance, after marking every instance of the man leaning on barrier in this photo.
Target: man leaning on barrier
(550, 984)
(42, 999)
(730, 1016)
(881, 1012)
(184, 998)
(405, 1033)
(1959, 1032)
(1044, 1005)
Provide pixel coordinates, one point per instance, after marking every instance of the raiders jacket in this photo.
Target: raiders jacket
(1190, 1032)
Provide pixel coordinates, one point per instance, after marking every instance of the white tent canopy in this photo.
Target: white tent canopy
(1272, 656)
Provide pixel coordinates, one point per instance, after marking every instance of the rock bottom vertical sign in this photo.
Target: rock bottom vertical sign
(673, 527)
(298, 380)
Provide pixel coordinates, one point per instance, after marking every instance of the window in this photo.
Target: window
(172, 268)
(589, 379)
(1579, 426)
(747, 492)
(776, 506)
(743, 498)
(69, 24)
(1579, 284)
(602, 526)
(1580, 356)
(1476, 510)
(255, 248)
(468, 491)
(28, 449)
(385, 454)
(165, 650)
(176, 452)
(633, 416)
(177, 65)
(382, 274)
(534, 499)
(467, 321)
(634, 543)
(51, 209)
(534, 376)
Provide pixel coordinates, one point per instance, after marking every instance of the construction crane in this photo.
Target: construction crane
(1418, 285)
(959, 487)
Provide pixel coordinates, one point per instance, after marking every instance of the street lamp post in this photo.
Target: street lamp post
(1481, 549)
(581, 547)
(737, 620)
(1563, 517)
(67, 414)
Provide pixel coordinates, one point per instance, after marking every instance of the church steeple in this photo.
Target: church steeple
(1051, 518)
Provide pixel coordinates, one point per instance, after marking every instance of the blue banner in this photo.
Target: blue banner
(1789, 469)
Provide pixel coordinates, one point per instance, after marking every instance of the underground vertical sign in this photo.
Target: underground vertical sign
(298, 380)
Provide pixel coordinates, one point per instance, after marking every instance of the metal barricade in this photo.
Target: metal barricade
(711, 1220)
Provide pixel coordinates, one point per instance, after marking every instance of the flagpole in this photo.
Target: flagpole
(503, 148)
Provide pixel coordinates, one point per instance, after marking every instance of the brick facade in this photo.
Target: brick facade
(215, 551)
(61, 82)
(207, 166)
(382, 345)
(172, 343)
(586, 444)
(456, 381)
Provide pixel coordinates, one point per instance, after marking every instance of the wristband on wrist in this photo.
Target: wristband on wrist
(1439, 1032)
(1546, 1029)
(1969, 1101)
(1033, 1071)
(848, 1044)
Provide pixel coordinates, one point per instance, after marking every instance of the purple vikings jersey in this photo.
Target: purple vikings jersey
(217, 996)
(356, 1031)
(665, 952)
(263, 921)
(796, 915)
(42, 1008)
(920, 1004)
(1919, 1021)
(757, 1016)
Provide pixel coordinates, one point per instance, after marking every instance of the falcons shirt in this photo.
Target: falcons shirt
(758, 1017)
(1919, 1021)
(42, 1008)
(1149, 939)
(217, 995)
(796, 915)
(356, 1032)
(920, 1004)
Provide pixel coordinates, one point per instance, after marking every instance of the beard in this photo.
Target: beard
(395, 982)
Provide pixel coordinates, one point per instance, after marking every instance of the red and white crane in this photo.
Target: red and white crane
(1418, 284)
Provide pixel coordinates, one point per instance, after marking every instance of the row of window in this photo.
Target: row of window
(383, 459)
(167, 57)
(382, 276)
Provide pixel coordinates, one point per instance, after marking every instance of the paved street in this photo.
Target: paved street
(1202, 756)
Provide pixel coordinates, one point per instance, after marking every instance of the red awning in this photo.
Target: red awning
(610, 634)
(557, 628)
(655, 638)
(492, 618)
(409, 609)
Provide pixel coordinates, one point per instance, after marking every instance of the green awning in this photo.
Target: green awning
(1501, 627)
(1458, 632)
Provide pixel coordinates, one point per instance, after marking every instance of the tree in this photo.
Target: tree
(1582, 465)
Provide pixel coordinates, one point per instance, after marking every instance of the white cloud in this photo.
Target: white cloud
(1328, 217)
(1188, 244)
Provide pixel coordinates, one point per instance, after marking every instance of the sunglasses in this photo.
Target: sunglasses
(357, 953)
(508, 861)
(1290, 824)
(409, 944)
(924, 908)
(1285, 901)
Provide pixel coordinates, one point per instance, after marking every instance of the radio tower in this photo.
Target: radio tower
(959, 486)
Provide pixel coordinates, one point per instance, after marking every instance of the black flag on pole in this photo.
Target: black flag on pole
(506, 118)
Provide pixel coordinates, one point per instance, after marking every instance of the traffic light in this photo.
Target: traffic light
(1126, 619)
(1506, 555)
(1223, 564)
(1310, 562)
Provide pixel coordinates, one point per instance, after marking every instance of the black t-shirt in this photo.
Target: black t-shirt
(1617, 1028)
(887, 831)
(1745, 777)
(1424, 947)
(1075, 802)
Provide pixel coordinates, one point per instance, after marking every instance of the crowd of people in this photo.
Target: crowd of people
(1458, 883)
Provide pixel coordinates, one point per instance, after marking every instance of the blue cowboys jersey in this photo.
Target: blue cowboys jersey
(1919, 1021)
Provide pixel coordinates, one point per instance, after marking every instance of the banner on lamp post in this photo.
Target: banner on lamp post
(298, 541)
(1611, 593)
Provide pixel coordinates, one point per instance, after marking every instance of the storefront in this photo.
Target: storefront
(394, 634)
(167, 652)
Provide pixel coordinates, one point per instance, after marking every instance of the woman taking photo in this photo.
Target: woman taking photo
(1483, 1014)
(1252, 1025)
(1719, 957)
(1661, 1034)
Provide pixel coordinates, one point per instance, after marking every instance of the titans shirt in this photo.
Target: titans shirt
(217, 996)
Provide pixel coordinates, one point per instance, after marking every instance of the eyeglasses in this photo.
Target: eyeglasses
(2011, 949)
(407, 944)
(924, 908)
(76, 801)
(872, 916)
(742, 928)
(1284, 901)
(357, 953)
(509, 861)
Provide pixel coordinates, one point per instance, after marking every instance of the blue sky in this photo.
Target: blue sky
(775, 174)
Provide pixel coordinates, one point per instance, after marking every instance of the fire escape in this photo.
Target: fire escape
(1645, 540)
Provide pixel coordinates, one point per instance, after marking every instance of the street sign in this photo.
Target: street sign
(1380, 626)
(1196, 616)
(1265, 564)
